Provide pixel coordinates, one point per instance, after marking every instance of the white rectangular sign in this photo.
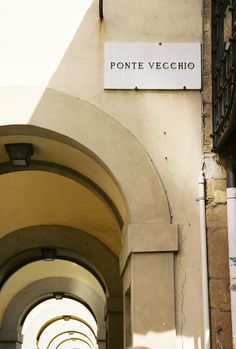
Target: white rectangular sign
(152, 66)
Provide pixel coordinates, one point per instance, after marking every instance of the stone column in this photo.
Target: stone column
(114, 322)
(10, 339)
(147, 266)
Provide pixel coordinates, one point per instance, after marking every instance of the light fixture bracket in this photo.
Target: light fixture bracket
(19, 153)
(58, 295)
(49, 254)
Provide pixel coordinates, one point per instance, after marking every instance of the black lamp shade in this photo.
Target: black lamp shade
(49, 254)
(58, 295)
(19, 153)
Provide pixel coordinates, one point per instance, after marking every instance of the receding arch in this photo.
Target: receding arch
(58, 154)
(44, 289)
(73, 339)
(69, 173)
(45, 198)
(64, 239)
(64, 333)
(124, 172)
(41, 319)
(101, 136)
(54, 320)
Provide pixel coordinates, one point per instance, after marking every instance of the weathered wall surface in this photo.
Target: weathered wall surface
(217, 240)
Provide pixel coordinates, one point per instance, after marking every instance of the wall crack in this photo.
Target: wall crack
(183, 286)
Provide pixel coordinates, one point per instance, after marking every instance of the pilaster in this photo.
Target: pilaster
(147, 266)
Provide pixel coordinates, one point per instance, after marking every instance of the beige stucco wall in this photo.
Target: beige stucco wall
(45, 46)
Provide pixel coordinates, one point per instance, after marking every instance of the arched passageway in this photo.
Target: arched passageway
(39, 280)
(54, 321)
(72, 205)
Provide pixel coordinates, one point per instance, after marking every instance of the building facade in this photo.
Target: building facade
(219, 154)
(103, 232)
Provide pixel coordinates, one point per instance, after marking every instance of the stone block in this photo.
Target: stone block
(216, 184)
(220, 197)
(216, 191)
(207, 92)
(207, 11)
(216, 217)
(217, 253)
(221, 335)
(219, 294)
(207, 140)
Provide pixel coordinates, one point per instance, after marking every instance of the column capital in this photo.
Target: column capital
(11, 336)
(148, 238)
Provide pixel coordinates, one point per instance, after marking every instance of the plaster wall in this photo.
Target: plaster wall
(49, 47)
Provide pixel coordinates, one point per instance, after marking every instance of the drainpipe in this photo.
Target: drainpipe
(205, 295)
(231, 221)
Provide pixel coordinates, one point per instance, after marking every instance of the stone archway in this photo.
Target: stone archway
(95, 133)
(44, 289)
(72, 245)
(100, 149)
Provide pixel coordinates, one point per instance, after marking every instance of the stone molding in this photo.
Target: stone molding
(11, 335)
(148, 238)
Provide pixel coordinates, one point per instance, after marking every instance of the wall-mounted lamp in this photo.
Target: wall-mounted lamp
(49, 254)
(19, 153)
(66, 317)
(58, 295)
